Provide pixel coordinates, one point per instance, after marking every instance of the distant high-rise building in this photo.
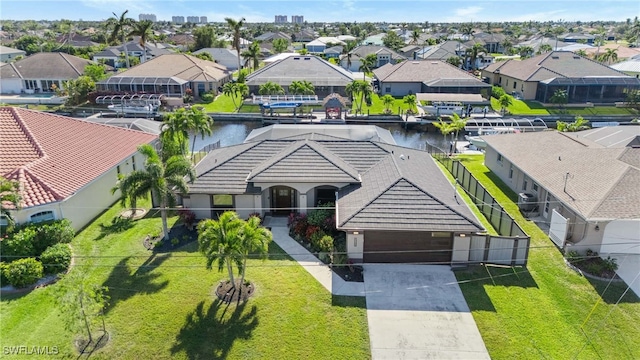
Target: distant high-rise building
(177, 20)
(151, 17)
(193, 19)
(281, 19)
(297, 19)
(203, 20)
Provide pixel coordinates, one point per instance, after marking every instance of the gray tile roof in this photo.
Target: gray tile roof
(423, 71)
(344, 132)
(596, 169)
(46, 66)
(363, 50)
(303, 67)
(561, 64)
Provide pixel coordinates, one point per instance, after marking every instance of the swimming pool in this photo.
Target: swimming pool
(39, 95)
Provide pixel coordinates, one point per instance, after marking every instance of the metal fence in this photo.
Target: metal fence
(198, 155)
(512, 246)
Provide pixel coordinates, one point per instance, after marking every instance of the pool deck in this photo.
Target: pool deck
(36, 99)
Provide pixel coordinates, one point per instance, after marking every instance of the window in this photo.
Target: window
(223, 200)
(133, 162)
(499, 157)
(515, 83)
(500, 80)
(387, 89)
(3, 220)
(524, 184)
(31, 84)
(534, 187)
(118, 169)
(510, 171)
(42, 216)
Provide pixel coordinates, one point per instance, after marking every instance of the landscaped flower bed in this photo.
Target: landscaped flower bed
(593, 264)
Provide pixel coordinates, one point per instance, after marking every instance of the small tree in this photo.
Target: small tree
(411, 102)
(387, 100)
(220, 242)
(445, 128)
(505, 101)
(10, 199)
(559, 97)
(253, 239)
(234, 91)
(578, 124)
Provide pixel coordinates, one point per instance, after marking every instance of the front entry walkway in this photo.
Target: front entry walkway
(419, 312)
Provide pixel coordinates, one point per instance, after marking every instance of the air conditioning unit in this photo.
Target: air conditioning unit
(527, 202)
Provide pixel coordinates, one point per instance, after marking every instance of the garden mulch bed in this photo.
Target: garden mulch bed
(225, 292)
(180, 232)
(348, 273)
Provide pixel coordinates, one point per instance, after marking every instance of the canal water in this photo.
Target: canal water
(232, 133)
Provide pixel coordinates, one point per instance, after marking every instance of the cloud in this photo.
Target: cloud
(349, 5)
(468, 11)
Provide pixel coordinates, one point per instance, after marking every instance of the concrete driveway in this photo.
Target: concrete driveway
(419, 312)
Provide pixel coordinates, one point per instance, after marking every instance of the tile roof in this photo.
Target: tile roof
(597, 168)
(363, 50)
(426, 71)
(46, 66)
(296, 67)
(54, 156)
(556, 64)
(181, 66)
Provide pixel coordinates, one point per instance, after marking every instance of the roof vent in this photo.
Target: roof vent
(577, 57)
(296, 58)
(415, 62)
(555, 57)
(401, 156)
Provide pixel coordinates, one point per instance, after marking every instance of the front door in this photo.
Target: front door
(282, 200)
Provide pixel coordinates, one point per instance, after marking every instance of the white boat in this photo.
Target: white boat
(134, 109)
(443, 108)
(478, 140)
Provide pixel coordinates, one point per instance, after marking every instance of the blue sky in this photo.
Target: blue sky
(329, 11)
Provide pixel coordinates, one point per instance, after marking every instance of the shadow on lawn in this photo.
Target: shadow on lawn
(210, 333)
(123, 284)
(349, 301)
(473, 281)
(616, 292)
(117, 225)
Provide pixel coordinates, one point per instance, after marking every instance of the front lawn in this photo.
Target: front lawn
(162, 305)
(377, 106)
(595, 110)
(221, 104)
(521, 107)
(546, 310)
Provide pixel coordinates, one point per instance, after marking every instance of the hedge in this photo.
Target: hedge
(56, 258)
(24, 272)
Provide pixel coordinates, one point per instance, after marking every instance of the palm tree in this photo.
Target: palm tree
(120, 25)
(234, 90)
(175, 128)
(10, 199)
(467, 30)
(347, 51)
(506, 45)
(252, 54)
(415, 37)
(236, 26)
(220, 241)
(411, 102)
(253, 238)
(445, 128)
(367, 64)
(504, 101)
(544, 48)
(457, 124)
(199, 123)
(387, 100)
(525, 51)
(163, 179)
(361, 89)
(271, 88)
(302, 87)
(473, 53)
(582, 53)
(610, 56)
(455, 61)
(143, 29)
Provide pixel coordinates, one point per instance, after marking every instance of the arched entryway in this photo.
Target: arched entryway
(283, 200)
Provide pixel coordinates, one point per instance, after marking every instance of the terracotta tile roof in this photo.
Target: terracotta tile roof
(54, 156)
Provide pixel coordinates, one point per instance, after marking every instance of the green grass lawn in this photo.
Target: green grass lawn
(162, 306)
(520, 107)
(377, 107)
(596, 110)
(546, 310)
(222, 104)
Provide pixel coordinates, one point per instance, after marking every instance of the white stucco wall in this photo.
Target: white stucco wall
(621, 240)
(200, 204)
(355, 245)
(244, 205)
(10, 86)
(400, 89)
(461, 246)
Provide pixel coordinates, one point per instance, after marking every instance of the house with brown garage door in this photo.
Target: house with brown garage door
(394, 203)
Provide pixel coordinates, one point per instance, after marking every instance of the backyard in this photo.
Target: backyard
(526, 107)
(546, 310)
(162, 305)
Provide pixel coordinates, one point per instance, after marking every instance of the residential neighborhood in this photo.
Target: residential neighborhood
(449, 182)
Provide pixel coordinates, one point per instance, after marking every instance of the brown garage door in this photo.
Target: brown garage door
(408, 247)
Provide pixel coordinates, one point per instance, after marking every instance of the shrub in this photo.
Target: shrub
(24, 272)
(175, 241)
(19, 244)
(207, 98)
(187, 216)
(325, 244)
(300, 226)
(56, 258)
(256, 214)
(3, 274)
(497, 91)
(311, 231)
(573, 256)
(315, 239)
(610, 264)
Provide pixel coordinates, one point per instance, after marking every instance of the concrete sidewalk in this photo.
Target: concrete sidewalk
(419, 312)
(320, 271)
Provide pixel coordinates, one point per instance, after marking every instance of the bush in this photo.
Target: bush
(256, 214)
(19, 244)
(325, 244)
(187, 217)
(56, 258)
(319, 216)
(610, 264)
(310, 233)
(24, 272)
(32, 239)
(207, 98)
(573, 256)
(3, 271)
(497, 91)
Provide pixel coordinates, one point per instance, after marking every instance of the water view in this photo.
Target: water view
(232, 133)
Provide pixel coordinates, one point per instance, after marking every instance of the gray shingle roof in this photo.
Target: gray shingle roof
(46, 66)
(423, 71)
(308, 67)
(596, 169)
(363, 50)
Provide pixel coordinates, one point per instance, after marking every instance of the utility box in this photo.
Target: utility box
(527, 202)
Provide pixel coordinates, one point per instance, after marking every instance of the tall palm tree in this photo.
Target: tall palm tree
(271, 88)
(473, 53)
(199, 124)
(506, 45)
(301, 87)
(359, 89)
(120, 25)
(505, 101)
(610, 56)
(220, 241)
(411, 102)
(467, 30)
(175, 128)
(347, 50)
(163, 179)
(253, 239)
(367, 64)
(415, 37)
(252, 54)
(235, 90)
(10, 199)
(236, 26)
(445, 129)
(143, 29)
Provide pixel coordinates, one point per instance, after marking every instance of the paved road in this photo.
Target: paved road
(419, 312)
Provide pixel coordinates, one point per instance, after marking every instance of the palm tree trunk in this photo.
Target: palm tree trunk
(230, 269)
(163, 215)
(126, 52)
(244, 268)
(193, 148)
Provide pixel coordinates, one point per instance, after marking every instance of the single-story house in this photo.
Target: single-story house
(58, 180)
(270, 36)
(325, 77)
(585, 185)
(577, 37)
(319, 45)
(8, 54)
(630, 67)
(303, 35)
(426, 76)
(384, 56)
(37, 73)
(171, 75)
(623, 52)
(113, 55)
(583, 79)
(223, 56)
(333, 52)
(394, 203)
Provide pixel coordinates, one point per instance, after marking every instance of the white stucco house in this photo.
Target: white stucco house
(65, 167)
(585, 185)
(8, 54)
